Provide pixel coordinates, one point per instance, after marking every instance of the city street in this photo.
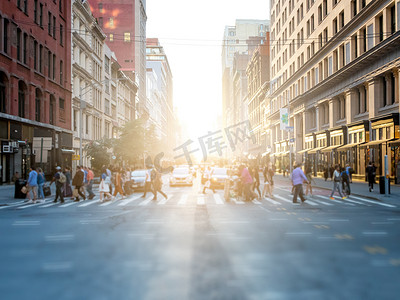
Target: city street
(195, 246)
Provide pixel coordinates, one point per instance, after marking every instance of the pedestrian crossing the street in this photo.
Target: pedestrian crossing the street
(187, 199)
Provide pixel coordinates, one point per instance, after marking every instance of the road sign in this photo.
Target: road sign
(76, 157)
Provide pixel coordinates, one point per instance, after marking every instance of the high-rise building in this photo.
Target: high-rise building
(124, 23)
(335, 68)
(35, 86)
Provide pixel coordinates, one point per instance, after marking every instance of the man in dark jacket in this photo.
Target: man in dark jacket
(77, 181)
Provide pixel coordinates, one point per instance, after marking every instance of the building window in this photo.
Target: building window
(54, 67)
(35, 11)
(334, 26)
(5, 35)
(111, 22)
(38, 98)
(111, 37)
(87, 124)
(3, 89)
(52, 108)
(61, 104)
(101, 22)
(370, 33)
(35, 55)
(19, 41)
(61, 34)
(21, 99)
(25, 49)
(75, 120)
(41, 15)
(384, 91)
(341, 20)
(127, 36)
(60, 5)
(353, 8)
(49, 56)
(101, 7)
(41, 59)
(54, 27)
(61, 72)
(49, 23)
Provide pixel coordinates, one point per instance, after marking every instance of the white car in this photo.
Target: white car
(181, 176)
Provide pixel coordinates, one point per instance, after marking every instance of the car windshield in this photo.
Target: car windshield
(219, 171)
(181, 171)
(141, 173)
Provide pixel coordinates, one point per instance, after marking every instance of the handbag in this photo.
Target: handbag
(24, 190)
(75, 193)
(46, 191)
(207, 184)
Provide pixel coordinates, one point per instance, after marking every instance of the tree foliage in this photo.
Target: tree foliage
(100, 152)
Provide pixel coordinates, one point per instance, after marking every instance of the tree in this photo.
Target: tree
(135, 140)
(99, 152)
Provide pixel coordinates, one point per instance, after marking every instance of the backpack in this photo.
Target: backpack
(344, 175)
(63, 178)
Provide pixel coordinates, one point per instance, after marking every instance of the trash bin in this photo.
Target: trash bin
(19, 183)
(382, 185)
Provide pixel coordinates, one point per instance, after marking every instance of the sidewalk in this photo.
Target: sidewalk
(358, 188)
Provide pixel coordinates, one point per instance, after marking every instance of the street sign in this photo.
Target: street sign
(76, 157)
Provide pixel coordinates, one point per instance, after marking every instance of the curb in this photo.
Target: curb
(358, 195)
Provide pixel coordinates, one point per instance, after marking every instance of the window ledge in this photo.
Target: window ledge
(389, 107)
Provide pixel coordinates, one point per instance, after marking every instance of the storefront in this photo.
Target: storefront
(309, 145)
(352, 153)
(318, 159)
(384, 129)
(337, 138)
(395, 147)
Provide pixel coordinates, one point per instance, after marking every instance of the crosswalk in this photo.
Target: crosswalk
(216, 199)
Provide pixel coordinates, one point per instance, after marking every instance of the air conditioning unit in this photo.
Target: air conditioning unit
(7, 149)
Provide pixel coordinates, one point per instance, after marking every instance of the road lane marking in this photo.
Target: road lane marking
(256, 202)
(26, 223)
(127, 201)
(57, 266)
(217, 199)
(29, 205)
(48, 205)
(373, 202)
(382, 223)
(343, 237)
(375, 250)
(374, 233)
(13, 204)
(59, 238)
(298, 233)
(146, 201)
(338, 220)
(183, 199)
(310, 202)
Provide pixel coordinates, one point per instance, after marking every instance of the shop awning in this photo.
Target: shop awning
(376, 143)
(315, 150)
(348, 146)
(303, 151)
(330, 148)
(395, 143)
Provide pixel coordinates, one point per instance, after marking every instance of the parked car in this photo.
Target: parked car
(218, 177)
(181, 176)
(137, 182)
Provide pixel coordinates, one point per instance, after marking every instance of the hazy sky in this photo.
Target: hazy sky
(191, 33)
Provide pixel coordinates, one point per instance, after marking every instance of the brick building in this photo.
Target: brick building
(35, 85)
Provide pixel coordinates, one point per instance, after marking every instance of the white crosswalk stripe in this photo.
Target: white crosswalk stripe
(13, 205)
(145, 201)
(323, 202)
(183, 199)
(218, 199)
(283, 199)
(201, 201)
(127, 201)
(373, 202)
(237, 201)
(336, 201)
(272, 201)
(68, 204)
(164, 200)
(88, 203)
(107, 203)
(48, 205)
(255, 201)
(352, 201)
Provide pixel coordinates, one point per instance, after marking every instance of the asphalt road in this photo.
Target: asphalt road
(196, 246)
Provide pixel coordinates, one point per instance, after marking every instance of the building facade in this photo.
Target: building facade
(35, 86)
(236, 39)
(124, 23)
(160, 95)
(335, 67)
(103, 97)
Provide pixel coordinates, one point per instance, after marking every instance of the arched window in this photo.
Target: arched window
(38, 103)
(3, 92)
(22, 92)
